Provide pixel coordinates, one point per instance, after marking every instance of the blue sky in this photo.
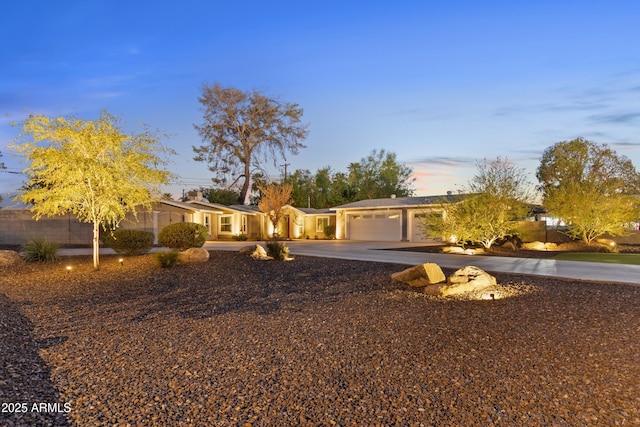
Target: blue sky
(441, 84)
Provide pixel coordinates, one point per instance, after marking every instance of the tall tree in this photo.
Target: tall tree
(314, 190)
(242, 130)
(221, 196)
(274, 198)
(303, 189)
(91, 169)
(380, 175)
(589, 187)
(486, 210)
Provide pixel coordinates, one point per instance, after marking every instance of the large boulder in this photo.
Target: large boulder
(9, 258)
(194, 255)
(255, 251)
(607, 244)
(453, 250)
(467, 280)
(420, 275)
(457, 250)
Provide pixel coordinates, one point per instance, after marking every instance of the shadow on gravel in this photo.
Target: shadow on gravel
(24, 376)
(261, 287)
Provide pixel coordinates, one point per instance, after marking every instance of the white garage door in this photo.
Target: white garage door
(384, 227)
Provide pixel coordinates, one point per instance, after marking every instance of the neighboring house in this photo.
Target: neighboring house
(391, 219)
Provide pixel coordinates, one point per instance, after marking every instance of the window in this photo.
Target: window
(243, 225)
(321, 223)
(299, 226)
(207, 222)
(225, 223)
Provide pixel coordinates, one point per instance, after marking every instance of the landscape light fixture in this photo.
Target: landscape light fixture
(121, 261)
(68, 269)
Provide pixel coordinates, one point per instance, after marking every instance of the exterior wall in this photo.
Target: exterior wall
(341, 225)
(632, 238)
(310, 226)
(255, 227)
(241, 223)
(17, 227)
(532, 231)
(159, 217)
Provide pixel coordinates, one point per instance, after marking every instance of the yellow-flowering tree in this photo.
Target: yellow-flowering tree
(91, 169)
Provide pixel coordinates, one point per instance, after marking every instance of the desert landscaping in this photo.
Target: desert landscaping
(313, 341)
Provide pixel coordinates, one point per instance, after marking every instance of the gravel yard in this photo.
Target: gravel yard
(311, 342)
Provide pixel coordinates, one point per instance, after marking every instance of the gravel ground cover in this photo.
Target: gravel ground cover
(311, 342)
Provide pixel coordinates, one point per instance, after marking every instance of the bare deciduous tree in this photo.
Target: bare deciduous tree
(242, 130)
(274, 198)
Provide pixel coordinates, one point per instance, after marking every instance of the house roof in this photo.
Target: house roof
(314, 211)
(250, 209)
(246, 209)
(399, 202)
(191, 207)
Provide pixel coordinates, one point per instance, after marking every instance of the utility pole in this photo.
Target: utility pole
(285, 171)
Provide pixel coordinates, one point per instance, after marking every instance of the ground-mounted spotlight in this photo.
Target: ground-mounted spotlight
(121, 261)
(69, 269)
(491, 296)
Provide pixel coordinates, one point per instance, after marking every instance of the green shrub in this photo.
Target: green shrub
(39, 250)
(166, 259)
(277, 250)
(183, 235)
(130, 242)
(240, 237)
(330, 231)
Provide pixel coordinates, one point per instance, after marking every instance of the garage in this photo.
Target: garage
(385, 226)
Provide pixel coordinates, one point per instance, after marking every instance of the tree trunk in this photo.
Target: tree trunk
(245, 187)
(96, 245)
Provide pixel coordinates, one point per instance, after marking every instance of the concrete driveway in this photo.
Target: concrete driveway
(374, 251)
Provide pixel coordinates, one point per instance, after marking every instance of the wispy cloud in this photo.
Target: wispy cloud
(443, 161)
(559, 107)
(105, 95)
(601, 98)
(616, 118)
